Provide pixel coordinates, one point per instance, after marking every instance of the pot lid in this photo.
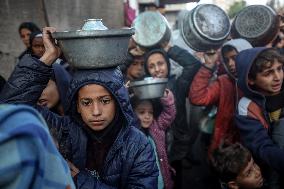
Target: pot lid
(94, 24)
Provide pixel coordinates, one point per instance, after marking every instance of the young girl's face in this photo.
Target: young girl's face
(144, 112)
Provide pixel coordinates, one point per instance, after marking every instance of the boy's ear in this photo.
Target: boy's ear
(251, 82)
(233, 185)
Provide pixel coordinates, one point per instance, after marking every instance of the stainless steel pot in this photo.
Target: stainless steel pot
(94, 47)
(205, 27)
(151, 30)
(258, 24)
(149, 88)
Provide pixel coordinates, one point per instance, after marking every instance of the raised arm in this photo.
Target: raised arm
(31, 75)
(203, 91)
(189, 63)
(168, 113)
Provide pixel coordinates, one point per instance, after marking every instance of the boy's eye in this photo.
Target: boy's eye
(141, 112)
(160, 63)
(151, 67)
(105, 100)
(86, 102)
(280, 68)
(267, 73)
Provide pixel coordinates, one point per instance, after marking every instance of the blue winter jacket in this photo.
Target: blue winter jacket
(251, 122)
(130, 162)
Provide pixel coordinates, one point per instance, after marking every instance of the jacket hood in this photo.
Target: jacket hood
(239, 45)
(163, 53)
(111, 79)
(62, 79)
(244, 61)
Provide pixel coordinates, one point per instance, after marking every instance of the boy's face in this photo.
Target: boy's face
(136, 69)
(96, 106)
(269, 80)
(38, 47)
(144, 112)
(49, 96)
(157, 66)
(250, 177)
(229, 59)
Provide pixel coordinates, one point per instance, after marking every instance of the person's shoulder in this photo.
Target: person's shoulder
(248, 107)
(243, 106)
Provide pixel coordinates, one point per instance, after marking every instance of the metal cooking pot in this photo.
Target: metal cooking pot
(258, 24)
(151, 30)
(149, 88)
(94, 46)
(205, 27)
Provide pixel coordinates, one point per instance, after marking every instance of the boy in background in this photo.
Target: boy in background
(235, 167)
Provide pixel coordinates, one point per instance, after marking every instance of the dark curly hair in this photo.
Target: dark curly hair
(264, 60)
(229, 160)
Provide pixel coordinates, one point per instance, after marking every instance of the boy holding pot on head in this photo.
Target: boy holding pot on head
(221, 92)
(103, 147)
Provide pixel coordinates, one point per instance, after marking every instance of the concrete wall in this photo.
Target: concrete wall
(62, 14)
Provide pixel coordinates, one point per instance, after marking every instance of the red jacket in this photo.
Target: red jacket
(221, 93)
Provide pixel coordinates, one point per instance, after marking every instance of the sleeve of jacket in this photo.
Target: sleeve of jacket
(144, 170)
(255, 137)
(27, 82)
(55, 122)
(189, 63)
(169, 112)
(25, 86)
(202, 92)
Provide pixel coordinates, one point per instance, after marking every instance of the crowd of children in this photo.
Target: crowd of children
(111, 138)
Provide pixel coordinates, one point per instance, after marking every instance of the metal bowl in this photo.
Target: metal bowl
(149, 88)
(88, 49)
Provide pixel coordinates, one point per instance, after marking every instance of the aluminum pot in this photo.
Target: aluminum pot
(149, 88)
(258, 24)
(151, 30)
(94, 47)
(205, 27)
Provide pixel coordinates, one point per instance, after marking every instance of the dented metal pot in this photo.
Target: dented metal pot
(94, 46)
(258, 24)
(205, 27)
(151, 30)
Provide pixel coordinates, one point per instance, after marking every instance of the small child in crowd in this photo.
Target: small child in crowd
(155, 118)
(235, 167)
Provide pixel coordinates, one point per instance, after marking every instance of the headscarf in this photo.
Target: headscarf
(164, 54)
